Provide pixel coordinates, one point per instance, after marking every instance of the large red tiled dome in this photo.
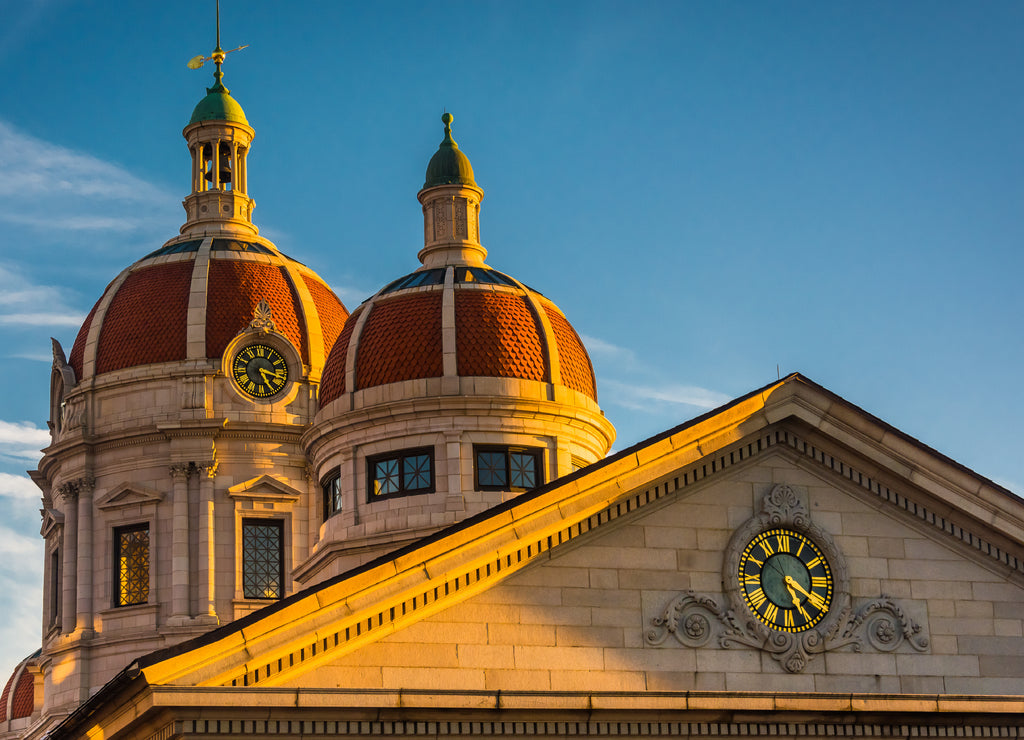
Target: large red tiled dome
(189, 299)
(499, 328)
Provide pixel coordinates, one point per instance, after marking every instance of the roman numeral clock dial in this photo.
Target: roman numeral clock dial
(259, 370)
(785, 580)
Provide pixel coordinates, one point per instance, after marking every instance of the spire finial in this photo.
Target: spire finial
(218, 54)
(217, 57)
(447, 119)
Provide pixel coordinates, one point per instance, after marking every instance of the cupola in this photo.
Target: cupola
(219, 137)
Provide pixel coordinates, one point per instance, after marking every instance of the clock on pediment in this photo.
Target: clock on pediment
(786, 594)
(783, 570)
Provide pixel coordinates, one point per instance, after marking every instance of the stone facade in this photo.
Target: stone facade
(610, 602)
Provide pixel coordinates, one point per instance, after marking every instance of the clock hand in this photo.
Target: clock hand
(792, 594)
(790, 581)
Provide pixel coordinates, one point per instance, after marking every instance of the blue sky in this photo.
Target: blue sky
(710, 191)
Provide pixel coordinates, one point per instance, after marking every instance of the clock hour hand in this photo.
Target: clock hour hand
(275, 375)
(791, 584)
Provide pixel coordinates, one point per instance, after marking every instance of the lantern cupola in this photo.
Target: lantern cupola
(451, 207)
(219, 137)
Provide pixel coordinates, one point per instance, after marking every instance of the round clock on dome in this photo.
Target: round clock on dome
(785, 580)
(259, 370)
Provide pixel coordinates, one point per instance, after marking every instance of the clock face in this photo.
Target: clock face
(259, 370)
(786, 581)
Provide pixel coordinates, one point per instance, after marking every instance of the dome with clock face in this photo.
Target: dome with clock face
(449, 390)
(175, 488)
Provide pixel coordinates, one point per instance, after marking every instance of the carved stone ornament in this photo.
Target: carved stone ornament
(262, 318)
(698, 620)
(72, 489)
(180, 471)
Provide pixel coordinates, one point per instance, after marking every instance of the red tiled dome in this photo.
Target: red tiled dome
(501, 329)
(143, 316)
(19, 692)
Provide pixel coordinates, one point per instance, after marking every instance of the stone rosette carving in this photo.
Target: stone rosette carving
(697, 620)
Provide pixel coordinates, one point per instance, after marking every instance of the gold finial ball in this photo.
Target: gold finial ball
(447, 119)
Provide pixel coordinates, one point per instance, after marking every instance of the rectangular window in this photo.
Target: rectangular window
(499, 468)
(400, 473)
(55, 587)
(262, 558)
(131, 564)
(331, 488)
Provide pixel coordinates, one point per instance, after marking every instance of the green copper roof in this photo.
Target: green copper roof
(449, 166)
(218, 105)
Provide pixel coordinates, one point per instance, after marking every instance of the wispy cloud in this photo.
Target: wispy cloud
(625, 381)
(42, 319)
(613, 352)
(31, 167)
(352, 295)
(23, 303)
(645, 397)
(21, 559)
(46, 187)
(21, 440)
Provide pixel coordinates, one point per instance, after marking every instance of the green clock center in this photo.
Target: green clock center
(773, 577)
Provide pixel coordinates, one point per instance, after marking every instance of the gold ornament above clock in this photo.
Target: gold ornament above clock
(785, 580)
(259, 370)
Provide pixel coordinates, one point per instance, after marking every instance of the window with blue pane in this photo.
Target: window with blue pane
(402, 473)
(331, 487)
(500, 468)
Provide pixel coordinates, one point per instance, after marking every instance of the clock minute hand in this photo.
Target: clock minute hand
(792, 593)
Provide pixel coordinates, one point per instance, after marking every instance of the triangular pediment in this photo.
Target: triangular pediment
(264, 488)
(128, 494)
(829, 451)
(52, 520)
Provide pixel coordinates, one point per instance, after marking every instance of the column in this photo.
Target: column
(179, 546)
(69, 566)
(206, 610)
(84, 621)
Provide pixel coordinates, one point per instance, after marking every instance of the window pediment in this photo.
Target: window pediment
(128, 494)
(264, 488)
(53, 521)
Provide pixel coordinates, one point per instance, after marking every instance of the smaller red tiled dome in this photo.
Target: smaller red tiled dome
(401, 340)
(497, 335)
(144, 316)
(501, 329)
(18, 697)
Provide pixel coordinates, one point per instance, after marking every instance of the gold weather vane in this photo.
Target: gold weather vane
(217, 57)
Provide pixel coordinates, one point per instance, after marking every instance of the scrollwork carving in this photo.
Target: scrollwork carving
(695, 619)
(702, 620)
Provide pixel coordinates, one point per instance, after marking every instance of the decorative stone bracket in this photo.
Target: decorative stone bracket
(695, 620)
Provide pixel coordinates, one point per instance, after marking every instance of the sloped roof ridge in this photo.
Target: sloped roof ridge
(493, 512)
(503, 508)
